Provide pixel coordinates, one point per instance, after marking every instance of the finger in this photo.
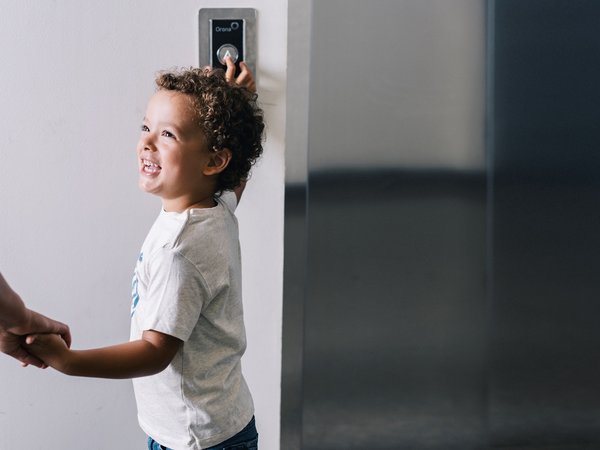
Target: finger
(230, 72)
(27, 358)
(60, 329)
(246, 77)
(42, 366)
(63, 330)
(38, 323)
(32, 339)
(66, 335)
(36, 362)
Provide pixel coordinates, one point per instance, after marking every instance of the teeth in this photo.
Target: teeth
(150, 167)
(150, 164)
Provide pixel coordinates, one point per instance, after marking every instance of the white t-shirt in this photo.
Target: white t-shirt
(187, 284)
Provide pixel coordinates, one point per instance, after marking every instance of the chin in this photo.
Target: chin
(144, 186)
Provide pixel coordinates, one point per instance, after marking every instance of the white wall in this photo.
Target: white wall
(73, 86)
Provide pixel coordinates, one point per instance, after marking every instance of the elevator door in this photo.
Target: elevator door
(442, 254)
(395, 282)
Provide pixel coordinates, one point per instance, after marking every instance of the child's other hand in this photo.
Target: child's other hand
(50, 348)
(245, 78)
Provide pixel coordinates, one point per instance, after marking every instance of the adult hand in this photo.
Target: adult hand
(12, 339)
(16, 321)
(13, 345)
(245, 78)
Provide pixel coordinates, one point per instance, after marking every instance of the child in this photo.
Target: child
(199, 139)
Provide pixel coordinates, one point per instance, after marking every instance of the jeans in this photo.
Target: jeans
(247, 439)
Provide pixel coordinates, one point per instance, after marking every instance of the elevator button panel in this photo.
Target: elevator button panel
(227, 32)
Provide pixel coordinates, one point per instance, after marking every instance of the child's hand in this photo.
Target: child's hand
(245, 78)
(50, 348)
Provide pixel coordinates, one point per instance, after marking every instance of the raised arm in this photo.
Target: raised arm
(246, 79)
(146, 356)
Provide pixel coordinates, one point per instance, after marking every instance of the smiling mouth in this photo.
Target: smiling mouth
(150, 167)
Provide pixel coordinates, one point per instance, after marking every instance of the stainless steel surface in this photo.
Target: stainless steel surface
(295, 236)
(544, 379)
(294, 292)
(392, 221)
(442, 254)
(227, 50)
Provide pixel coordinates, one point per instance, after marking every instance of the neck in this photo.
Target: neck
(180, 205)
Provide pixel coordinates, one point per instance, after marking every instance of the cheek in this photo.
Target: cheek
(194, 163)
(191, 171)
(178, 167)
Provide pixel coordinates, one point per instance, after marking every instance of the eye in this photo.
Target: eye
(144, 128)
(168, 134)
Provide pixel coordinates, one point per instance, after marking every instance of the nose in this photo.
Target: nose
(146, 142)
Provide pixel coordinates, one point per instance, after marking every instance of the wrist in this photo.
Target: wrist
(18, 317)
(65, 362)
(59, 359)
(14, 312)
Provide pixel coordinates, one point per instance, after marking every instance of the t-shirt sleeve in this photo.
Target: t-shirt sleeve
(229, 199)
(175, 295)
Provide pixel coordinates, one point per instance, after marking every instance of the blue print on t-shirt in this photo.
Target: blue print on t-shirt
(135, 296)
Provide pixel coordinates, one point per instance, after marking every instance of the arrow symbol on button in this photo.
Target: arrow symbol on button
(226, 50)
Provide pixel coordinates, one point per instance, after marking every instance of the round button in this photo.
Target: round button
(227, 50)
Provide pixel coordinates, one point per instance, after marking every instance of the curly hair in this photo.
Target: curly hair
(228, 116)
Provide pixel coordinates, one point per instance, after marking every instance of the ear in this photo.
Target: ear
(217, 162)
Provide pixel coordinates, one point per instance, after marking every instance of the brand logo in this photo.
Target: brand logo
(232, 27)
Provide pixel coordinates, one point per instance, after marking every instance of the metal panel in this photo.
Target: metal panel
(449, 292)
(545, 376)
(207, 51)
(395, 229)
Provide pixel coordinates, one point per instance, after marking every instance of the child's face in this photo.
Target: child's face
(172, 152)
